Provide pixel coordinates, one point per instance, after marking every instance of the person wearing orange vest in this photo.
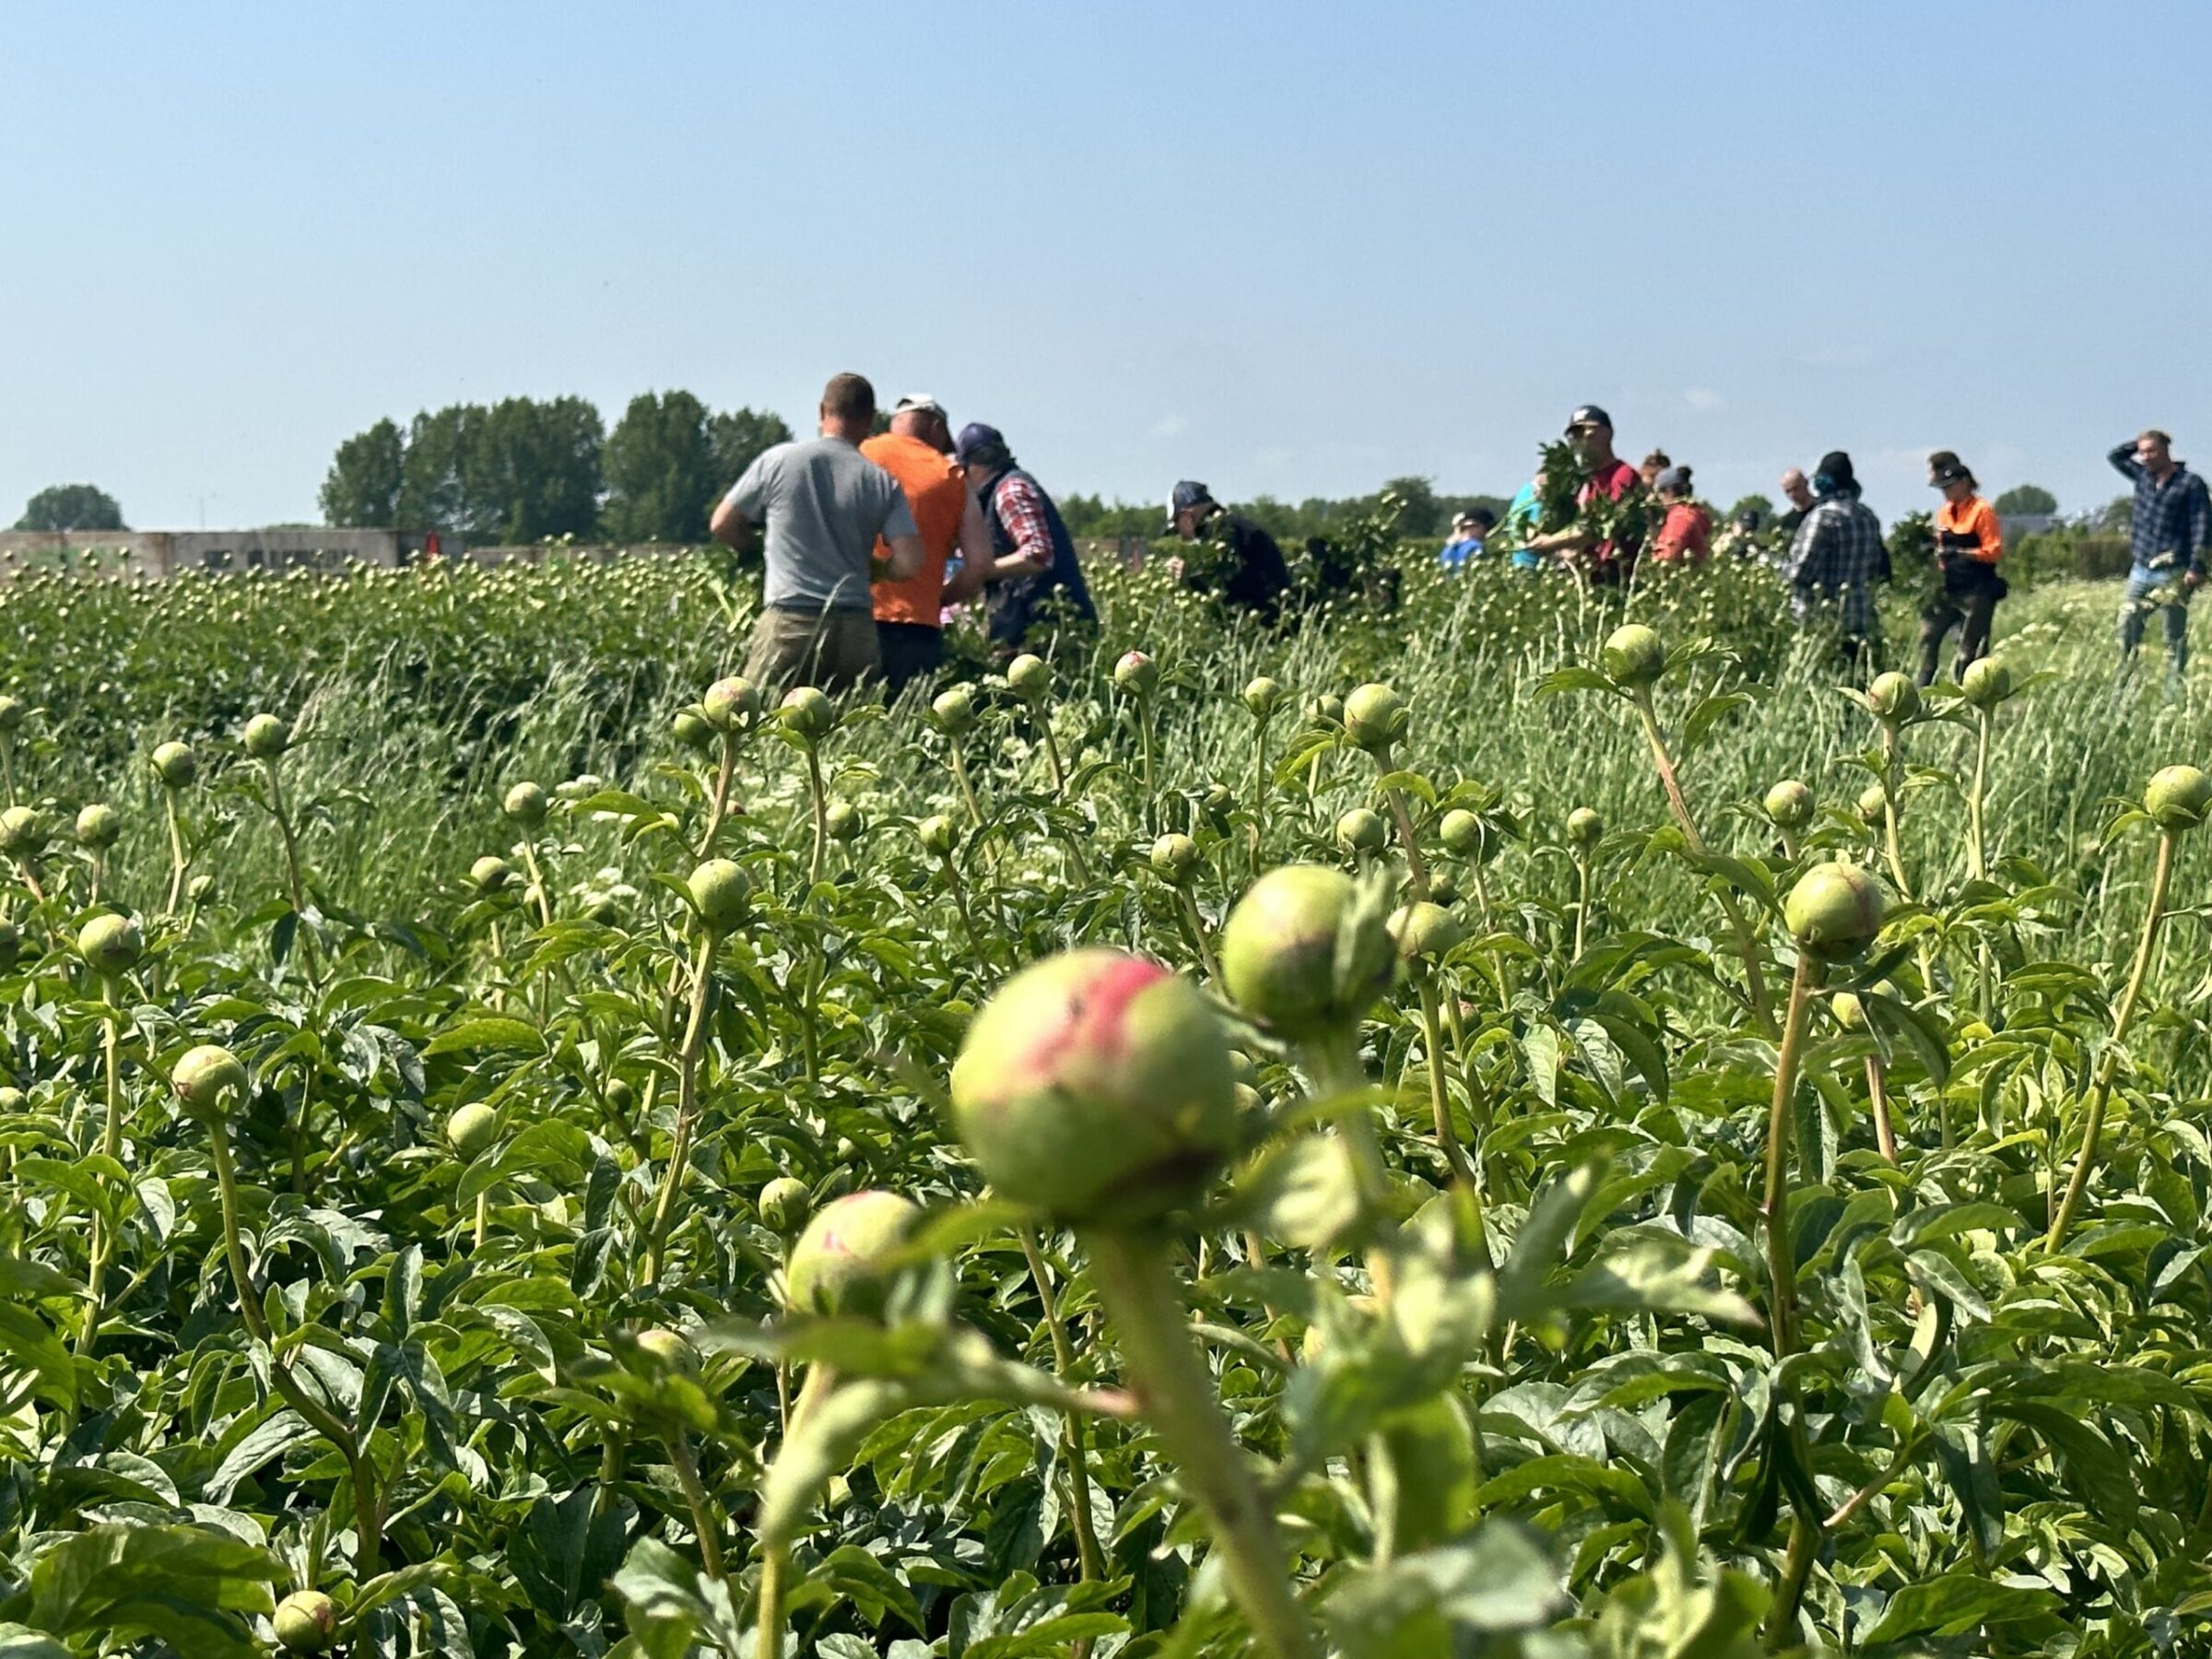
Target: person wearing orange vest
(1969, 542)
(910, 614)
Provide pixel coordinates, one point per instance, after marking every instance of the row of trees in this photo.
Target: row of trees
(1422, 512)
(72, 507)
(524, 470)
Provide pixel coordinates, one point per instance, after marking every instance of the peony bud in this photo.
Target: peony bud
(671, 1350)
(1136, 673)
(176, 765)
(1283, 961)
(111, 945)
(490, 873)
(1175, 857)
(1834, 912)
(97, 826)
(22, 832)
(206, 1079)
(267, 737)
(1986, 682)
(306, 1621)
(731, 703)
(692, 728)
(808, 713)
(954, 711)
(1326, 710)
(1874, 802)
(471, 1130)
(1264, 696)
(1584, 827)
(1096, 1087)
(2178, 797)
(526, 805)
(1893, 698)
(842, 820)
(1375, 717)
(938, 835)
(12, 713)
(1633, 656)
(1029, 678)
(1424, 931)
(1361, 830)
(783, 1203)
(834, 1268)
(1790, 805)
(719, 889)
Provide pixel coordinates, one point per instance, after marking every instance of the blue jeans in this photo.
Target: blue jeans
(2161, 591)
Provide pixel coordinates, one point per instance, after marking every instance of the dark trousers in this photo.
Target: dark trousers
(1970, 596)
(911, 650)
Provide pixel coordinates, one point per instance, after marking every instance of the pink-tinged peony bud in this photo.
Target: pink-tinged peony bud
(835, 1265)
(1834, 912)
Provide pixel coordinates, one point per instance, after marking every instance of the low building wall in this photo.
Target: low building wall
(152, 554)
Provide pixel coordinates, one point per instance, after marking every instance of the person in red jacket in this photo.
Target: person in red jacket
(1969, 542)
(1685, 525)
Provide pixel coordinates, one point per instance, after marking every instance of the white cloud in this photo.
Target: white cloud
(1704, 400)
(1172, 425)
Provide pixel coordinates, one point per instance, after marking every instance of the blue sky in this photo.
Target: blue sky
(1288, 248)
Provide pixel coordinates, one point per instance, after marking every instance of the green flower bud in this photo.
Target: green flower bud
(11, 943)
(1850, 1012)
(1874, 802)
(619, 1094)
(12, 1099)
(1326, 710)
(1175, 857)
(1424, 930)
(267, 737)
(1264, 696)
(783, 1203)
(719, 889)
(306, 1621)
(1444, 886)
(1136, 673)
(1281, 959)
(208, 1080)
(938, 835)
(1986, 682)
(1375, 717)
(176, 765)
(12, 712)
(692, 728)
(1029, 678)
(1632, 656)
(526, 805)
(1584, 827)
(97, 826)
(490, 873)
(22, 832)
(731, 702)
(808, 713)
(1834, 912)
(1790, 805)
(471, 1130)
(200, 888)
(111, 945)
(842, 820)
(1361, 830)
(954, 711)
(671, 1350)
(835, 1266)
(1894, 699)
(1096, 1087)
(2178, 797)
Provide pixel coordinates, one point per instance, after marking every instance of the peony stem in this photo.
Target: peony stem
(2092, 1129)
(687, 1105)
(1176, 1391)
(1782, 1268)
(1091, 1561)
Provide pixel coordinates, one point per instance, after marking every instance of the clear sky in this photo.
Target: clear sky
(1283, 247)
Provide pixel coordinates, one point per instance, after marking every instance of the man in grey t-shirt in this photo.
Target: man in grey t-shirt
(823, 504)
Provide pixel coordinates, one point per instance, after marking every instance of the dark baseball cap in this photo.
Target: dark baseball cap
(975, 436)
(1950, 473)
(1187, 494)
(1589, 415)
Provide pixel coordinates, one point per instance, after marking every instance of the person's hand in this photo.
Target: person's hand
(2193, 580)
(1027, 564)
(1174, 567)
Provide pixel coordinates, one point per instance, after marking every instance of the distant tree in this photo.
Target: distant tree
(2116, 514)
(737, 436)
(433, 484)
(1754, 502)
(1090, 519)
(72, 507)
(363, 489)
(660, 470)
(2024, 499)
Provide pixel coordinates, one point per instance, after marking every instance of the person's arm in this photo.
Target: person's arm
(739, 515)
(1023, 515)
(2197, 530)
(901, 535)
(976, 563)
(1988, 532)
(1801, 551)
(2124, 458)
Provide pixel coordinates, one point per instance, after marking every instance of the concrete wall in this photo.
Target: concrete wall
(152, 554)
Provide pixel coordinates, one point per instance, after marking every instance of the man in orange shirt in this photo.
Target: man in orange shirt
(910, 614)
(1969, 542)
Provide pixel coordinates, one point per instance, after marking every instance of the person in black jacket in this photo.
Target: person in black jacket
(1242, 568)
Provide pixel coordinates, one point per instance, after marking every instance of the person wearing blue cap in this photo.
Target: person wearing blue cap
(1026, 528)
(1837, 556)
(1247, 571)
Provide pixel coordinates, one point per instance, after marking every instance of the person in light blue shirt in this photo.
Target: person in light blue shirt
(1467, 533)
(1524, 518)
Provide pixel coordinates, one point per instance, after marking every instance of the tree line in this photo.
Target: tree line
(526, 470)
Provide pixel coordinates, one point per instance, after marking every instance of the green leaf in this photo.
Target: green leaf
(1955, 1604)
(184, 1584)
(492, 1032)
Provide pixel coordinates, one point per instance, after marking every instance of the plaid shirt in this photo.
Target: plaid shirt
(1834, 556)
(2172, 521)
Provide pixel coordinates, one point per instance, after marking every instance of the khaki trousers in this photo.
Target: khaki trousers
(832, 650)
